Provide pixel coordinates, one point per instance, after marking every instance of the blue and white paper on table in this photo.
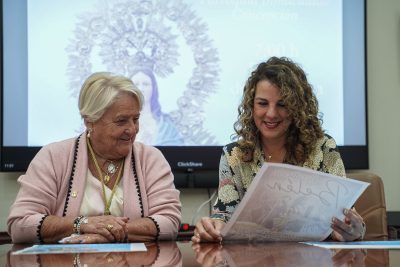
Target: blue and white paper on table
(81, 248)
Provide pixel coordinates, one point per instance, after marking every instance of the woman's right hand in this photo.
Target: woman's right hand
(113, 228)
(208, 230)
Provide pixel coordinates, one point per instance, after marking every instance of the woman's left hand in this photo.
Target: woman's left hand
(352, 228)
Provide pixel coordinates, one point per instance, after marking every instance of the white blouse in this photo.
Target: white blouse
(93, 202)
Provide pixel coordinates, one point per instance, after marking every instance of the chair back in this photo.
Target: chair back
(371, 206)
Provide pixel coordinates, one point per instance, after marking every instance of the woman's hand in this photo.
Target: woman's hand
(352, 228)
(112, 228)
(208, 230)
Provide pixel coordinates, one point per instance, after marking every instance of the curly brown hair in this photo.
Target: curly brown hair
(300, 101)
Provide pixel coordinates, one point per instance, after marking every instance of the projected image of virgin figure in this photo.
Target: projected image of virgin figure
(197, 54)
(147, 41)
(156, 127)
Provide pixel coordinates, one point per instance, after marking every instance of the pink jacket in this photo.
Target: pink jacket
(55, 182)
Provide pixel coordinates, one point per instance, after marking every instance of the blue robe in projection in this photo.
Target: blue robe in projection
(168, 134)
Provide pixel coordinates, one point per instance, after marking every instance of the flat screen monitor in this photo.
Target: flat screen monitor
(193, 57)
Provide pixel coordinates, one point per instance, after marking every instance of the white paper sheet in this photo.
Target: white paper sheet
(387, 244)
(290, 203)
(81, 248)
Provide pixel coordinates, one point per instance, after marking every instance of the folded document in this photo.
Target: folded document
(291, 203)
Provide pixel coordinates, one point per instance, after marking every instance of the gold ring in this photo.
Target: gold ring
(109, 226)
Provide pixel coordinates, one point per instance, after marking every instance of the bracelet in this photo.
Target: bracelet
(219, 219)
(77, 261)
(83, 220)
(364, 229)
(77, 223)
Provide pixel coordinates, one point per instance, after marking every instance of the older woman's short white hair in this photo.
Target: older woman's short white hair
(99, 92)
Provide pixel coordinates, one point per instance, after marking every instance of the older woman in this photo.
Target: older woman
(277, 122)
(101, 186)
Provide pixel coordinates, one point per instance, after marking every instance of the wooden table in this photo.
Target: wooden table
(184, 253)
